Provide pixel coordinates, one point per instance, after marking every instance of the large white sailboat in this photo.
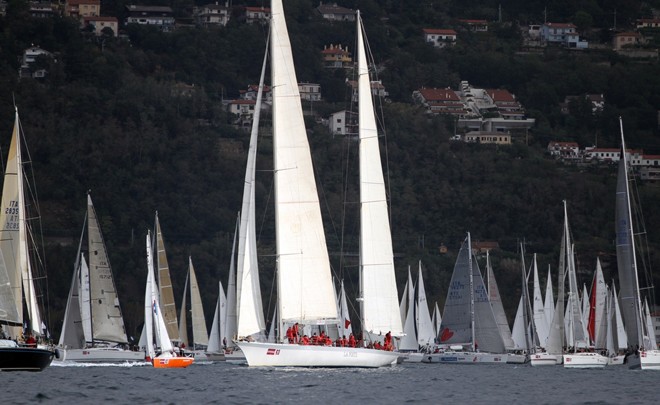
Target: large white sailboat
(645, 355)
(93, 328)
(305, 291)
(469, 330)
(17, 271)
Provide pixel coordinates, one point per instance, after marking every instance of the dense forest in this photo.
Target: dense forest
(110, 117)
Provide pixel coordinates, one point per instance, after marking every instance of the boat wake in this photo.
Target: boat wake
(78, 364)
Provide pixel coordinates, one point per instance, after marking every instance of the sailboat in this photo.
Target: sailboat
(469, 330)
(17, 272)
(645, 356)
(165, 290)
(409, 344)
(305, 290)
(500, 315)
(200, 338)
(93, 328)
(155, 328)
(217, 338)
(583, 355)
(425, 331)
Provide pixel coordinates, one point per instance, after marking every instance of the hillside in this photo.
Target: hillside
(110, 117)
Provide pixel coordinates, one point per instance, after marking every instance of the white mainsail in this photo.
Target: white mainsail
(231, 325)
(403, 304)
(425, 332)
(304, 282)
(217, 335)
(250, 313)
(556, 335)
(183, 319)
(498, 308)
(437, 319)
(540, 320)
(153, 315)
(344, 326)
(166, 292)
(199, 332)
(408, 341)
(549, 303)
(621, 336)
(93, 315)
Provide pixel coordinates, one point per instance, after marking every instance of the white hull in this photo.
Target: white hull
(646, 360)
(465, 358)
(100, 355)
(616, 360)
(411, 357)
(515, 358)
(214, 356)
(584, 360)
(545, 359)
(286, 355)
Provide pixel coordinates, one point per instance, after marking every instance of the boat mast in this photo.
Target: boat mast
(471, 291)
(638, 303)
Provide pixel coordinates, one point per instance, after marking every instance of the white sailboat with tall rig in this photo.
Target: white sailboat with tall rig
(305, 291)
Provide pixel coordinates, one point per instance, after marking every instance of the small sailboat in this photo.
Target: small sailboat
(469, 330)
(93, 329)
(305, 290)
(165, 290)
(155, 328)
(644, 354)
(409, 344)
(196, 346)
(217, 338)
(500, 315)
(18, 272)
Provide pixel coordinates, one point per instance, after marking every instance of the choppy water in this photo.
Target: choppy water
(225, 383)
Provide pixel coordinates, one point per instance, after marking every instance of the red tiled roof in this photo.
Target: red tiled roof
(241, 101)
(500, 95)
(439, 95)
(437, 31)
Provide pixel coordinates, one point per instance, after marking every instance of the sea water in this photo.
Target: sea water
(225, 383)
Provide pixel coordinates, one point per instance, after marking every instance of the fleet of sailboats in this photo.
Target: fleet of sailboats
(588, 327)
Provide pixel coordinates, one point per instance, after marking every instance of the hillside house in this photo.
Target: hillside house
(440, 38)
(336, 57)
(30, 65)
(343, 123)
(82, 8)
(43, 9)
(260, 15)
(377, 89)
(626, 40)
(563, 34)
(485, 137)
(161, 16)
(310, 91)
(212, 15)
(251, 93)
(333, 12)
(100, 23)
(564, 150)
(648, 23)
(440, 101)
